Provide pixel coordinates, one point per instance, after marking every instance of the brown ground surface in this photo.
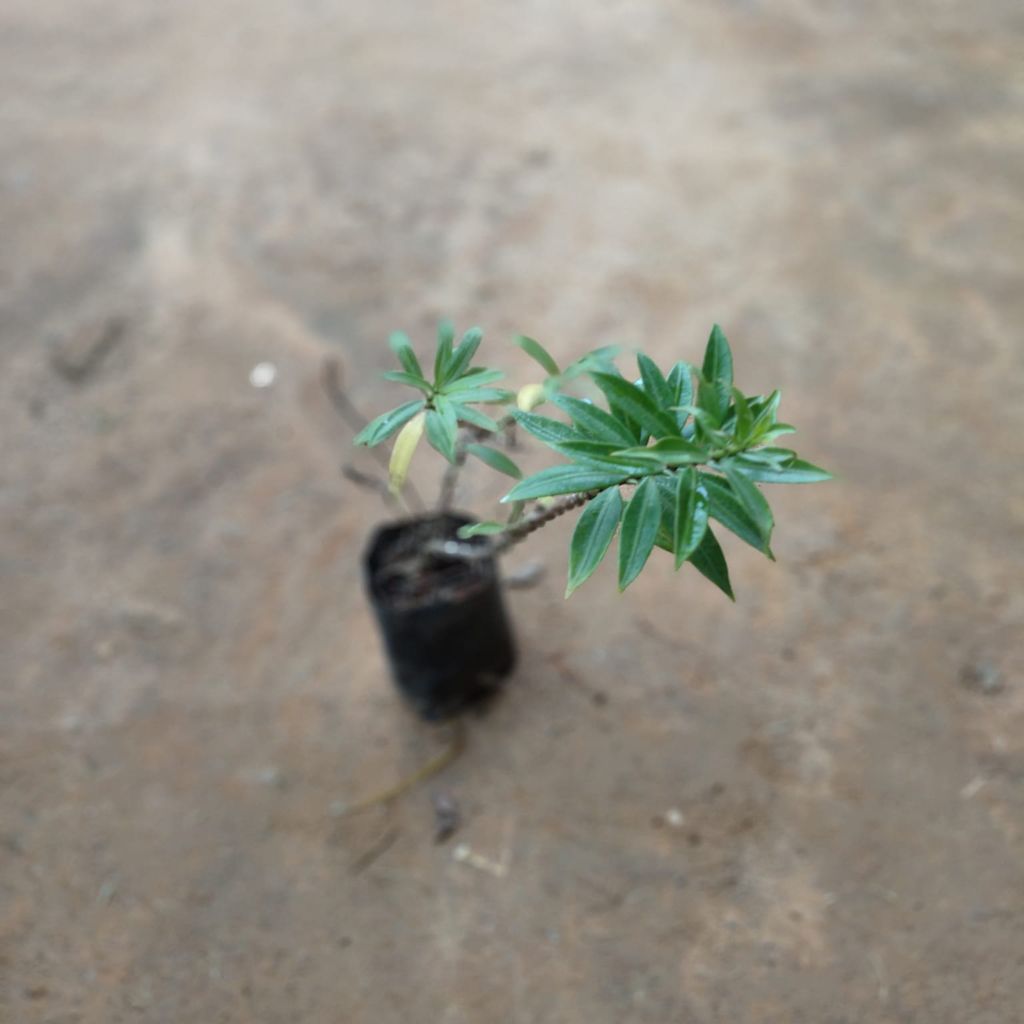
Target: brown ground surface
(191, 685)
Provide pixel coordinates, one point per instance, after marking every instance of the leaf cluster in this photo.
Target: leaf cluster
(451, 397)
(693, 448)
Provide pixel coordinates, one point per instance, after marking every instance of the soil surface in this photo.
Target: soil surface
(807, 808)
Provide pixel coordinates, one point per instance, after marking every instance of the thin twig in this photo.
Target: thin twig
(451, 474)
(370, 483)
(331, 381)
(433, 767)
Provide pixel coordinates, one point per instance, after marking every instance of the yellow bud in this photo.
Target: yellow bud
(530, 397)
(401, 455)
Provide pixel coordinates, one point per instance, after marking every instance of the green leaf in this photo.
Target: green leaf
(601, 455)
(443, 428)
(602, 358)
(774, 432)
(594, 422)
(655, 385)
(463, 355)
(744, 419)
(443, 358)
(640, 524)
(484, 395)
(402, 347)
(488, 529)
(538, 353)
(669, 451)
(717, 368)
(710, 403)
(474, 379)
(765, 412)
(495, 459)
(777, 458)
(545, 429)
(691, 515)
(751, 498)
(796, 472)
(726, 507)
(680, 380)
(476, 417)
(515, 512)
(413, 381)
(387, 423)
(564, 480)
(593, 534)
(709, 561)
(637, 405)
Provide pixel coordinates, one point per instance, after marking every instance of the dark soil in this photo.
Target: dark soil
(411, 572)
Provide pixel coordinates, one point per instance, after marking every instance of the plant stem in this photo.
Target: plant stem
(451, 474)
(539, 517)
(467, 433)
(530, 523)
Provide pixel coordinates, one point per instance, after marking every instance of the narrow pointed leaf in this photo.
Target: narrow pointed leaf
(545, 429)
(443, 428)
(602, 358)
(486, 396)
(488, 529)
(691, 515)
(442, 360)
(594, 531)
(796, 472)
(601, 455)
(751, 498)
(717, 368)
(386, 424)
(475, 417)
(655, 385)
(669, 451)
(410, 379)
(777, 458)
(495, 459)
(773, 432)
(593, 422)
(515, 512)
(711, 403)
(402, 453)
(744, 420)
(710, 562)
(471, 381)
(726, 507)
(636, 404)
(563, 480)
(538, 353)
(640, 524)
(680, 380)
(463, 355)
(765, 412)
(402, 347)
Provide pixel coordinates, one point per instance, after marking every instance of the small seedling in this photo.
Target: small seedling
(653, 459)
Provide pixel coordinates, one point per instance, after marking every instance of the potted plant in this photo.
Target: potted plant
(654, 462)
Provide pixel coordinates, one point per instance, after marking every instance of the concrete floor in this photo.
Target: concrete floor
(808, 807)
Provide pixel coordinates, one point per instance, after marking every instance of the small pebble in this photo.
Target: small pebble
(674, 818)
(262, 375)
